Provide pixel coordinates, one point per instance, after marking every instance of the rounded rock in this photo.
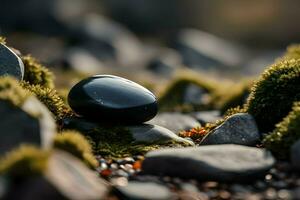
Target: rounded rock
(10, 63)
(112, 99)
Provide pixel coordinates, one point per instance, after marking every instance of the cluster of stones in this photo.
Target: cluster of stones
(108, 99)
(28, 121)
(226, 154)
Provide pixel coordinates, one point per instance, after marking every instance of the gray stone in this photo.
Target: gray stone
(238, 129)
(66, 177)
(109, 41)
(295, 153)
(149, 133)
(3, 186)
(30, 123)
(144, 191)
(194, 94)
(174, 121)
(146, 133)
(10, 63)
(204, 117)
(205, 51)
(228, 163)
(165, 63)
(81, 60)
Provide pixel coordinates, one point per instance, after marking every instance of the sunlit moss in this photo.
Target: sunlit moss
(76, 144)
(2, 40)
(24, 161)
(11, 91)
(285, 134)
(51, 99)
(272, 96)
(37, 74)
(292, 52)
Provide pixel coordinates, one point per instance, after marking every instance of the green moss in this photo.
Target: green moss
(285, 134)
(117, 142)
(24, 161)
(76, 144)
(293, 52)
(50, 98)
(172, 98)
(11, 91)
(37, 74)
(272, 96)
(2, 40)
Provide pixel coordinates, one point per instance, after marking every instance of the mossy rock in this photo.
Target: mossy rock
(24, 161)
(37, 74)
(51, 99)
(116, 142)
(25, 119)
(113, 141)
(76, 144)
(286, 133)
(272, 96)
(173, 97)
(11, 91)
(38, 174)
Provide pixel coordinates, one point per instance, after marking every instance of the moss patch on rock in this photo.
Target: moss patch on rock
(116, 142)
(76, 144)
(37, 74)
(11, 91)
(51, 99)
(24, 161)
(272, 96)
(285, 134)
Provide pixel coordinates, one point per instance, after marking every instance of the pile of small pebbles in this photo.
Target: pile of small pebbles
(281, 182)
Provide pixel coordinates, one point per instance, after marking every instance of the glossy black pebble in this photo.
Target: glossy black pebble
(107, 98)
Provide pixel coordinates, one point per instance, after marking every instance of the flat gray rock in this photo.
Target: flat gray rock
(148, 133)
(144, 133)
(238, 129)
(174, 121)
(31, 123)
(202, 50)
(165, 62)
(224, 163)
(66, 177)
(143, 191)
(204, 117)
(109, 41)
(10, 63)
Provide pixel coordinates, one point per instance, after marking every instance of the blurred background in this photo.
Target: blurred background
(154, 38)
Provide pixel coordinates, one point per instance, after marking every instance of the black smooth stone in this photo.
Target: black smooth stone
(107, 98)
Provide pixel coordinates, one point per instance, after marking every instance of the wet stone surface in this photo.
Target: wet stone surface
(112, 99)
